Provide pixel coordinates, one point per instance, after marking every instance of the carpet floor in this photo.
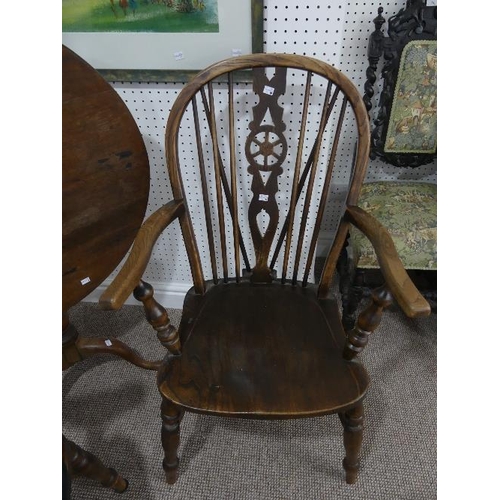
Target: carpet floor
(111, 408)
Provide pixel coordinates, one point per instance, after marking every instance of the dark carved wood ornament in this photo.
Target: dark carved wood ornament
(415, 22)
(265, 150)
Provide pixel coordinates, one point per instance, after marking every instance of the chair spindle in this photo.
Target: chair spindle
(220, 206)
(324, 193)
(310, 185)
(204, 190)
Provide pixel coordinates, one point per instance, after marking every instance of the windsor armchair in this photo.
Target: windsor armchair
(258, 339)
(404, 135)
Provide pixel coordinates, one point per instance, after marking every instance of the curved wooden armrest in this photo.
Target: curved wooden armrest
(395, 275)
(130, 274)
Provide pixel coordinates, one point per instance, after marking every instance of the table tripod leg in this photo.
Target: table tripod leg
(82, 463)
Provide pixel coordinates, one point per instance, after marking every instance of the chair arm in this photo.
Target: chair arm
(395, 275)
(131, 272)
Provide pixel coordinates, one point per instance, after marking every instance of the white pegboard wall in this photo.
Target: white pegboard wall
(313, 30)
(150, 104)
(334, 31)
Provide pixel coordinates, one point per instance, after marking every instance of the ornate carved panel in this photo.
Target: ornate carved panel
(265, 150)
(415, 23)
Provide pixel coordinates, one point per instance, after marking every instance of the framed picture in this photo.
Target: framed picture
(160, 40)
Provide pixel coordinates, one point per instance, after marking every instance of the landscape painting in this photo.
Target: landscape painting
(146, 16)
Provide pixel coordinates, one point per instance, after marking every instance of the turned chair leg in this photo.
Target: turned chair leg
(352, 422)
(158, 318)
(368, 321)
(171, 416)
(82, 463)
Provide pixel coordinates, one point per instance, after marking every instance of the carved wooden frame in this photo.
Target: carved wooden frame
(415, 22)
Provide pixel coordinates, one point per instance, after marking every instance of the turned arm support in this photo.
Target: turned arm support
(131, 272)
(396, 278)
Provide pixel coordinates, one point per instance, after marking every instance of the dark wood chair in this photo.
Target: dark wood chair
(404, 134)
(257, 338)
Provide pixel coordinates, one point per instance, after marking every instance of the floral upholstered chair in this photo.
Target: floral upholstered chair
(409, 211)
(403, 135)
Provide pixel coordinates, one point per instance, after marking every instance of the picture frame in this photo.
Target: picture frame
(171, 57)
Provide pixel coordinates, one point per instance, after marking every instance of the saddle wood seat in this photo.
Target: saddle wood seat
(262, 350)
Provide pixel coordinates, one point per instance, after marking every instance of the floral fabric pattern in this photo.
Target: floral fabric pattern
(408, 210)
(413, 122)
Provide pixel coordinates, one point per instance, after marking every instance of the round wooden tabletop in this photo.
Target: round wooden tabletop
(105, 179)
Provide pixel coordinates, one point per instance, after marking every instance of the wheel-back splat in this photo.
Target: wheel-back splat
(265, 150)
(244, 173)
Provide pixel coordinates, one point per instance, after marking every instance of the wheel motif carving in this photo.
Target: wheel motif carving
(266, 147)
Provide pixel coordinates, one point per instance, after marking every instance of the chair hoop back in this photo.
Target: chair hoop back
(258, 135)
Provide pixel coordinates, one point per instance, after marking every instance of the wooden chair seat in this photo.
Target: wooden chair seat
(262, 350)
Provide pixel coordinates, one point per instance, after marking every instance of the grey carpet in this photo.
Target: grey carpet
(111, 408)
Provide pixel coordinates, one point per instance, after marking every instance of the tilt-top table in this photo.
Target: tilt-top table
(104, 198)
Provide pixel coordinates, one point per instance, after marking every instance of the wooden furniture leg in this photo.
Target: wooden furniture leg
(352, 421)
(76, 348)
(82, 463)
(158, 318)
(171, 415)
(368, 321)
